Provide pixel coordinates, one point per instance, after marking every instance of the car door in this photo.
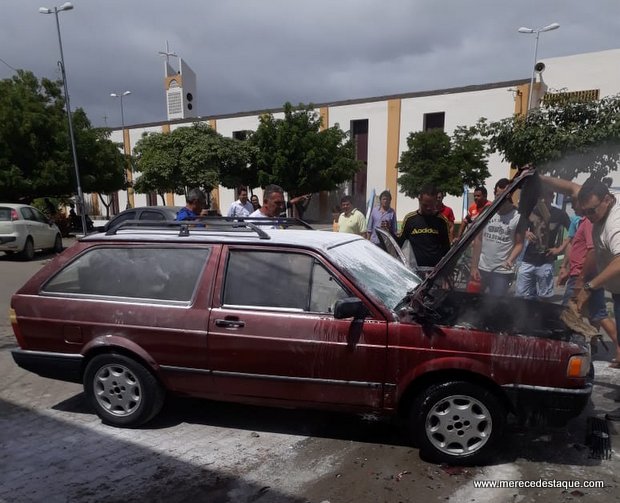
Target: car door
(272, 333)
(46, 231)
(34, 227)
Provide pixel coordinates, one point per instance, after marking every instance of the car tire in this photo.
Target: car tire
(28, 252)
(57, 244)
(457, 422)
(122, 391)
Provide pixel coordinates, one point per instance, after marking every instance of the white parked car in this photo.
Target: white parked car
(24, 229)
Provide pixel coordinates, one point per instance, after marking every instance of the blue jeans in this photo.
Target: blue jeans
(597, 309)
(496, 283)
(534, 281)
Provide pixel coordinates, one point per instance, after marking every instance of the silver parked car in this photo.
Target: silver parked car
(24, 229)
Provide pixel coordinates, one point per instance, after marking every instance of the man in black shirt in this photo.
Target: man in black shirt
(543, 236)
(426, 230)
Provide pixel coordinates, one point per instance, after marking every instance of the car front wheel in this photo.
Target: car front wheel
(457, 422)
(122, 391)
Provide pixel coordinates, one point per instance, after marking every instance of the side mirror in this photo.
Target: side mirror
(351, 307)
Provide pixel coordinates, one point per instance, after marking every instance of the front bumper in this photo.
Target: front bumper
(61, 366)
(553, 406)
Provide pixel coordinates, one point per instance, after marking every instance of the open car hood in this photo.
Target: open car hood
(418, 299)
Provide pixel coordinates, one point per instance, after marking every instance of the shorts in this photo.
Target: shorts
(597, 309)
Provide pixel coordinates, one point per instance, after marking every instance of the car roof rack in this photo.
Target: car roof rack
(213, 224)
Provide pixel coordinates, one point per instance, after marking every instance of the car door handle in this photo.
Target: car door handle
(235, 323)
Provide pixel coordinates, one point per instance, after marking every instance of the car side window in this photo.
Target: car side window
(151, 215)
(27, 214)
(160, 274)
(130, 215)
(325, 290)
(279, 280)
(268, 279)
(40, 217)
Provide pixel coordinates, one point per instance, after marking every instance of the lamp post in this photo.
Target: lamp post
(121, 95)
(523, 29)
(80, 196)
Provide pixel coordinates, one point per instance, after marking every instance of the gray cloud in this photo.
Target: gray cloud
(251, 54)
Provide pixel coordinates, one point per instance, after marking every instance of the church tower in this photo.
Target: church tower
(180, 86)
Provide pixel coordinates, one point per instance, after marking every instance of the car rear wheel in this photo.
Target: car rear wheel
(28, 252)
(457, 422)
(57, 244)
(123, 391)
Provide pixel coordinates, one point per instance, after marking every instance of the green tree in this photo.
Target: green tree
(563, 139)
(433, 157)
(243, 172)
(295, 153)
(187, 157)
(101, 163)
(35, 151)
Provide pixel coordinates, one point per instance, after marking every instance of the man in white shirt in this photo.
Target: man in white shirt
(273, 203)
(603, 209)
(497, 247)
(241, 207)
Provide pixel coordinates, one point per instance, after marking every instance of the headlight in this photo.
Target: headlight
(578, 366)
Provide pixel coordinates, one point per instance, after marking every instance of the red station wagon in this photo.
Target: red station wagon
(303, 318)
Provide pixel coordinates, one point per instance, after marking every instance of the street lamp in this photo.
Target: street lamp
(523, 29)
(61, 63)
(121, 95)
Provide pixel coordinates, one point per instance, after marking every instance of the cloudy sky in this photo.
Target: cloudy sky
(257, 54)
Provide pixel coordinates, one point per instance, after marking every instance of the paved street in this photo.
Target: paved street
(53, 448)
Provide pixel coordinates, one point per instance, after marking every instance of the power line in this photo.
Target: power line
(2, 61)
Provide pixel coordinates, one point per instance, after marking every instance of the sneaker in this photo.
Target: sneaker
(613, 416)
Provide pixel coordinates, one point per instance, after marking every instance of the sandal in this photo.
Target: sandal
(614, 364)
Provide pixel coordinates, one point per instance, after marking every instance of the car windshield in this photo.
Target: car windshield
(376, 272)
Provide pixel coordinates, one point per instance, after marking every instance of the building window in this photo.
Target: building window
(240, 135)
(151, 198)
(359, 134)
(434, 120)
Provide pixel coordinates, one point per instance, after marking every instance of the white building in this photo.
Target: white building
(380, 125)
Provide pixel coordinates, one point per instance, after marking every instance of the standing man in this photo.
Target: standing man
(480, 203)
(426, 230)
(351, 220)
(383, 216)
(241, 207)
(273, 203)
(496, 248)
(602, 209)
(447, 212)
(543, 232)
(196, 203)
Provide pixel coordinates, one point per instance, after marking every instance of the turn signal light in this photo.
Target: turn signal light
(578, 366)
(13, 320)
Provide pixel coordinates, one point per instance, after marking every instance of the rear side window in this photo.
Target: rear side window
(5, 214)
(280, 280)
(151, 215)
(27, 213)
(130, 215)
(163, 274)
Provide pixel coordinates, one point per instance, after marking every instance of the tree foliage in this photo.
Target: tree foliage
(563, 140)
(295, 153)
(187, 157)
(433, 157)
(35, 151)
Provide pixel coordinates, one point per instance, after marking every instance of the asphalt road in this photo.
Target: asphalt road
(54, 449)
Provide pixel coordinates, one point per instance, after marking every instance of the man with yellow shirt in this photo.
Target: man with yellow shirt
(351, 220)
